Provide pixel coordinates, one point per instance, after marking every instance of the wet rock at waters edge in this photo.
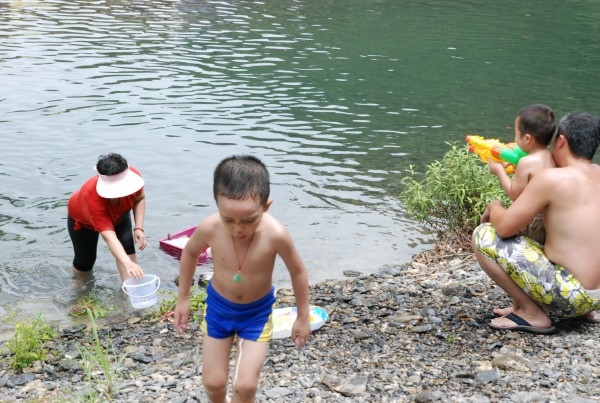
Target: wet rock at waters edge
(74, 329)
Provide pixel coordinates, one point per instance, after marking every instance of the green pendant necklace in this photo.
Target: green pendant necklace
(238, 276)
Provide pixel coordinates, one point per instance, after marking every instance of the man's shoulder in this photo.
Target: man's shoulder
(547, 181)
(552, 174)
(566, 178)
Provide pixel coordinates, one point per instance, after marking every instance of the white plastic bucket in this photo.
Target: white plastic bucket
(142, 291)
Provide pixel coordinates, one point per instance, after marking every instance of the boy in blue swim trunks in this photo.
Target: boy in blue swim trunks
(245, 241)
(561, 277)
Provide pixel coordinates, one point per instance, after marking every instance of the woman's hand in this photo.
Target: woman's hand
(140, 238)
(134, 270)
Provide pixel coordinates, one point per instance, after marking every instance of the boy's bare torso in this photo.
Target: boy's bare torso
(256, 255)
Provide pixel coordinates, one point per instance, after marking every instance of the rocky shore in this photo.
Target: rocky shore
(416, 332)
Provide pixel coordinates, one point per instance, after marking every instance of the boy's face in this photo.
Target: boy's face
(519, 139)
(517, 130)
(241, 217)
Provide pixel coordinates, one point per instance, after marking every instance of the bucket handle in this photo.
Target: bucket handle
(143, 296)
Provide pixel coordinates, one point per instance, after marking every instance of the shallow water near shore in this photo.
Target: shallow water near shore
(338, 99)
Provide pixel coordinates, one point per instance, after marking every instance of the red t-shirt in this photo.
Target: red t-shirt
(91, 211)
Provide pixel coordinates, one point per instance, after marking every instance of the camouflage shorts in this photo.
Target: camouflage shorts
(550, 285)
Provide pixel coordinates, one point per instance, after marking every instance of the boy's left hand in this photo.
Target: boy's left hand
(300, 332)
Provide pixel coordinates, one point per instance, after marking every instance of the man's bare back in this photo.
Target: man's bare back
(573, 221)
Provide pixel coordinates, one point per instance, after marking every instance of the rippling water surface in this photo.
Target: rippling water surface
(337, 98)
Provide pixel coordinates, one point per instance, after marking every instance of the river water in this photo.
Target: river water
(337, 98)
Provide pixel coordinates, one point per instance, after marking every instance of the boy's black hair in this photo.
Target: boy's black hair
(241, 176)
(111, 164)
(539, 121)
(582, 131)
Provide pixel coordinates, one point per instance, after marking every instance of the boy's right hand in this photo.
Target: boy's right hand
(181, 316)
(496, 168)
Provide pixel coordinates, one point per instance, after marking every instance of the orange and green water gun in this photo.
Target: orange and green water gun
(492, 149)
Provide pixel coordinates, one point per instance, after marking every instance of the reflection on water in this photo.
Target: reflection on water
(338, 99)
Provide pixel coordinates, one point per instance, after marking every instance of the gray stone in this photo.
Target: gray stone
(352, 386)
(19, 379)
(278, 393)
(485, 377)
(69, 364)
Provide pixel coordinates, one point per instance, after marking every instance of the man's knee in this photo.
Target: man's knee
(477, 235)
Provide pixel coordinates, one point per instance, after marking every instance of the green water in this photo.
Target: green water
(338, 98)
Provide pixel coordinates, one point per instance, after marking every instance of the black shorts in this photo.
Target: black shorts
(85, 241)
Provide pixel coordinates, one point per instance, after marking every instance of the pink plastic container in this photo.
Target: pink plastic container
(173, 245)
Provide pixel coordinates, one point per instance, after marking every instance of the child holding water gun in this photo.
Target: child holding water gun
(534, 128)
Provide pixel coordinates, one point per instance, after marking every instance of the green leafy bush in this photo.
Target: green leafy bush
(453, 193)
(27, 344)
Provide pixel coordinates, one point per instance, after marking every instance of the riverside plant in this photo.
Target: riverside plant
(452, 194)
(89, 304)
(197, 302)
(27, 344)
(98, 360)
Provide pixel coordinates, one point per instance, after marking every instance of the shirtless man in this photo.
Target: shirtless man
(561, 277)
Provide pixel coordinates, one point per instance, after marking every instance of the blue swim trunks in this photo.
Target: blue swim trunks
(223, 318)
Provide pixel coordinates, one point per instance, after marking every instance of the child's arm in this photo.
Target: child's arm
(187, 268)
(512, 187)
(299, 278)
(497, 169)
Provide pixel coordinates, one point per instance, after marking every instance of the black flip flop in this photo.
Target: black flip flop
(524, 326)
(595, 319)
